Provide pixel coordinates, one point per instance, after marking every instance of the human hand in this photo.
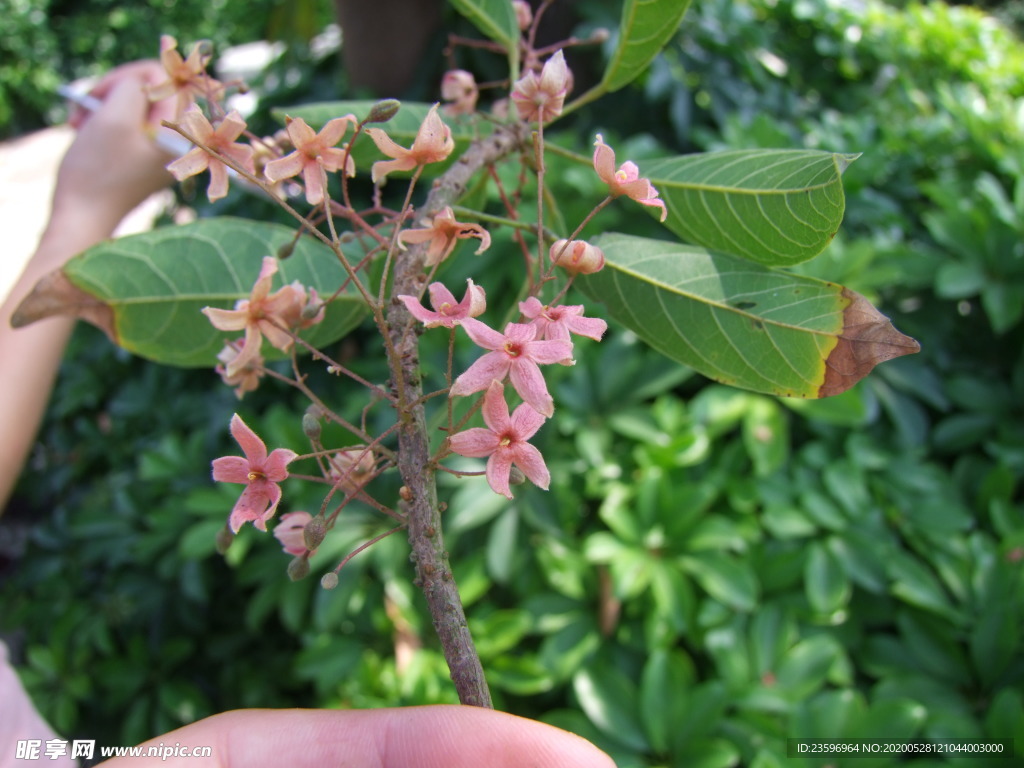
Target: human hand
(114, 163)
(410, 737)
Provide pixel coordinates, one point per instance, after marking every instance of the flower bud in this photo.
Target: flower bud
(286, 250)
(329, 580)
(311, 311)
(383, 111)
(298, 568)
(459, 88)
(524, 13)
(577, 256)
(516, 476)
(314, 532)
(311, 426)
(223, 540)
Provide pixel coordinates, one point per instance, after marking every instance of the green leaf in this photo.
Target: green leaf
(610, 700)
(825, 581)
(913, 582)
(740, 323)
(765, 435)
(666, 679)
(502, 550)
(146, 291)
(804, 668)
(645, 28)
(494, 18)
(731, 581)
(402, 128)
(896, 718)
(774, 206)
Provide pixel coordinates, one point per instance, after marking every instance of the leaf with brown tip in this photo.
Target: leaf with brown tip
(54, 295)
(867, 339)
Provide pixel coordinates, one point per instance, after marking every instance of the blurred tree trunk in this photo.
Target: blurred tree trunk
(384, 41)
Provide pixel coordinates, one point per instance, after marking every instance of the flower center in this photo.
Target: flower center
(505, 441)
(512, 349)
(256, 475)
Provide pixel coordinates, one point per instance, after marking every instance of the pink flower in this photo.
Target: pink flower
(544, 95)
(433, 143)
(447, 312)
(626, 180)
(247, 379)
(504, 442)
(442, 231)
(516, 354)
(221, 140)
(259, 472)
(313, 151)
(458, 87)
(186, 78)
(577, 256)
(559, 321)
(263, 314)
(289, 532)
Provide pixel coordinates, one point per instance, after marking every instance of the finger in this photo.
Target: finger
(412, 737)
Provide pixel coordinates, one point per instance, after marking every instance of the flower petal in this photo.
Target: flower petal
(529, 383)
(255, 450)
(231, 469)
(478, 377)
(191, 163)
(474, 443)
(525, 422)
(274, 466)
(499, 468)
(495, 409)
(531, 461)
(483, 335)
(284, 167)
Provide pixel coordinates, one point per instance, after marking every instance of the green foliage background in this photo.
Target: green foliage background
(712, 571)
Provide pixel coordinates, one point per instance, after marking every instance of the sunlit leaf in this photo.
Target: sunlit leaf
(740, 323)
(146, 291)
(776, 207)
(494, 18)
(645, 28)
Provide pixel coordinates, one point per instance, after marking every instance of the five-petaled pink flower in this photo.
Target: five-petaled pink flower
(447, 312)
(290, 532)
(559, 321)
(517, 354)
(259, 472)
(535, 95)
(186, 78)
(313, 151)
(433, 143)
(442, 231)
(221, 140)
(504, 442)
(626, 180)
(263, 314)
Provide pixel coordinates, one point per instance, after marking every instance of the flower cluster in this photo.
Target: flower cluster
(544, 333)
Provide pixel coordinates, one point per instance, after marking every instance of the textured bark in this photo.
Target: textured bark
(433, 572)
